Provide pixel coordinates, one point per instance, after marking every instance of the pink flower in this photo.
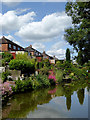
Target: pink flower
(52, 77)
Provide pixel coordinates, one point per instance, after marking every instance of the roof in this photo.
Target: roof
(4, 40)
(30, 49)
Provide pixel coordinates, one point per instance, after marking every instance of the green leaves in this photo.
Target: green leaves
(78, 35)
(24, 66)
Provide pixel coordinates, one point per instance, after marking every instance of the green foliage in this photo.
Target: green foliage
(42, 80)
(78, 36)
(59, 75)
(40, 65)
(36, 65)
(5, 75)
(21, 56)
(44, 71)
(31, 83)
(67, 54)
(22, 86)
(80, 58)
(24, 66)
(6, 57)
(46, 63)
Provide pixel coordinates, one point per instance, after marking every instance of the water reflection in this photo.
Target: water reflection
(23, 104)
(68, 102)
(80, 94)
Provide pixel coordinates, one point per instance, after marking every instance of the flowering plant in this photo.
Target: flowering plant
(5, 89)
(52, 77)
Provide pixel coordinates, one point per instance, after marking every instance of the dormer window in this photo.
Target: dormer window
(9, 45)
(14, 47)
(18, 48)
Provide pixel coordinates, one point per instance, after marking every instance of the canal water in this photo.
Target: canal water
(54, 102)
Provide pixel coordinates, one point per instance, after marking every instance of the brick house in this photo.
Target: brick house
(34, 53)
(38, 55)
(51, 59)
(13, 48)
(8, 46)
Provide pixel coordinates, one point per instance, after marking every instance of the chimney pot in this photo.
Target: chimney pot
(31, 46)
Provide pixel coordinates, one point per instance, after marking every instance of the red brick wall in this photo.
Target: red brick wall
(4, 47)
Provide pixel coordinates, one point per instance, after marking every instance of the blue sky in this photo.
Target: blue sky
(41, 24)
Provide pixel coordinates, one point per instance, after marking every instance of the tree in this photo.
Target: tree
(80, 58)
(78, 35)
(67, 54)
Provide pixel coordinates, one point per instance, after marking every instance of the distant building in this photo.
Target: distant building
(51, 59)
(8, 46)
(34, 53)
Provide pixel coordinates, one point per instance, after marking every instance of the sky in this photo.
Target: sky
(40, 24)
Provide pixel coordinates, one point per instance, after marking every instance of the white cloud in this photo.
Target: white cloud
(60, 53)
(59, 49)
(48, 28)
(60, 44)
(10, 21)
(39, 46)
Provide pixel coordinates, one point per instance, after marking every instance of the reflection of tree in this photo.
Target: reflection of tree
(68, 102)
(80, 94)
(88, 88)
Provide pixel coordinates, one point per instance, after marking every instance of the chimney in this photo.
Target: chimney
(43, 52)
(30, 46)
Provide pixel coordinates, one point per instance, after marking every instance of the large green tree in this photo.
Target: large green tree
(79, 34)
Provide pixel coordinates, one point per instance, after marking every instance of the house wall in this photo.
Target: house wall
(32, 53)
(16, 49)
(52, 61)
(4, 47)
(39, 59)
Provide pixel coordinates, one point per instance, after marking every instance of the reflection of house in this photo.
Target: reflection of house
(7, 45)
(34, 53)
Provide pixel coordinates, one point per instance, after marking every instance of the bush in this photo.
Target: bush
(42, 80)
(21, 86)
(24, 66)
(44, 71)
(59, 75)
(7, 56)
(31, 83)
(5, 75)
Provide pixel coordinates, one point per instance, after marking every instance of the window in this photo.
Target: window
(14, 47)
(18, 48)
(9, 45)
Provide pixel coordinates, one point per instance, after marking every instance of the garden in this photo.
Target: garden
(49, 74)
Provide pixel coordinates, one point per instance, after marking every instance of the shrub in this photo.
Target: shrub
(42, 80)
(5, 75)
(59, 75)
(6, 90)
(7, 56)
(52, 79)
(24, 66)
(44, 71)
(46, 63)
(22, 86)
